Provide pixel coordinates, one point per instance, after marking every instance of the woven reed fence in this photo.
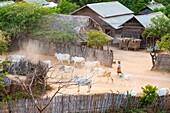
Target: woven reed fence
(49, 48)
(97, 103)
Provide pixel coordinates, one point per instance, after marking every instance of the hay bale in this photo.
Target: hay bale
(134, 44)
(123, 43)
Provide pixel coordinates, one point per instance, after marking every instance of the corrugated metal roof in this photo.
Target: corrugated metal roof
(117, 21)
(154, 5)
(42, 2)
(108, 9)
(145, 20)
(6, 3)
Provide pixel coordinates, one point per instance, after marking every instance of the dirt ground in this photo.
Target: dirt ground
(136, 64)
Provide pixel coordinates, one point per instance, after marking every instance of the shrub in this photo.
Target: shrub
(149, 95)
(96, 39)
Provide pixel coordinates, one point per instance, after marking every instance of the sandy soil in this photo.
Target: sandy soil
(136, 64)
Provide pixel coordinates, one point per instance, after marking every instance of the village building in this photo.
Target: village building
(136, 25)
(109, 15)
(150, 7)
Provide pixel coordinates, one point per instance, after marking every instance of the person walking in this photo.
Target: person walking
(119, 69)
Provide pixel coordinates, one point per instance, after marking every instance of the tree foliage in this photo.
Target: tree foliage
(165, 10)
(21, 17)
(149, 95)
(60, 32)
(165, 43)
(65, 7)
(96, 39)
(160, 26)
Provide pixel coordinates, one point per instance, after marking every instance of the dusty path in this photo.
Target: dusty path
(137, 64)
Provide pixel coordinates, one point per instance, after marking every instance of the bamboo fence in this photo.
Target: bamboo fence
(96, 103)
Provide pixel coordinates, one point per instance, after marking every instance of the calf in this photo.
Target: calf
(82, 82)
(62, 57)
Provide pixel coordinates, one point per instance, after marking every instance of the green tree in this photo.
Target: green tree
(83, 2)
(165, 10)
(65, 7)
(160, 26)
(165, 43)
(21, 17)
(149, 95)
(164, 2)
(96, 39)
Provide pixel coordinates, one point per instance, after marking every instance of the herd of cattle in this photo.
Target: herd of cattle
(94, 67)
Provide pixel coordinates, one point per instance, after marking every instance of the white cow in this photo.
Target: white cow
(83, 82)
(67, 69)
(47, 62)
(78, 60)
(91, 64)
(62, 57)
(97, 70)
(16, 58)
(162, 91)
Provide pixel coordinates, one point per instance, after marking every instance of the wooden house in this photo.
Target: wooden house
(109, 15)
(150, 7)
(135, 26)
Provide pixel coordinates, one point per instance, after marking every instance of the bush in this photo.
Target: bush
(149, 95)
(165, 43)
(65, 7)
(96, 39)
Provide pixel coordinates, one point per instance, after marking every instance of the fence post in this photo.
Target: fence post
(9, 107)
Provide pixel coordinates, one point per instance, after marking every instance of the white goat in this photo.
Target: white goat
(162, 91)
(83, 82)
(78, 60)
(91, 64)
(47, 62)
(62, 57)
(67, 69)
(102, 73)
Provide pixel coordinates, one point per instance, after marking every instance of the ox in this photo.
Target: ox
(62, 57)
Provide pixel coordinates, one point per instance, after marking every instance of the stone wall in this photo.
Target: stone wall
(49, 48)
(162, 63)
